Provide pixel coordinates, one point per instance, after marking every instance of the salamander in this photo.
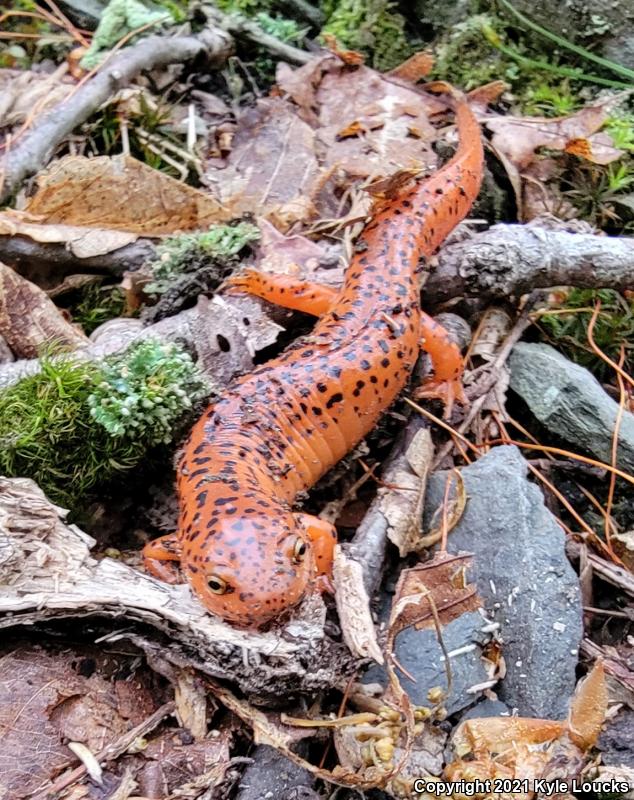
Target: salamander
(246, 553)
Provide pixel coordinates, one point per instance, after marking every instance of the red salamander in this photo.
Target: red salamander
(246, 553)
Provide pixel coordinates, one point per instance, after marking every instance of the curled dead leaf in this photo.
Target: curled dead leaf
(29, 320)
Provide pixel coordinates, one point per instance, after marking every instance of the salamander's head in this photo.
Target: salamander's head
(248, 568)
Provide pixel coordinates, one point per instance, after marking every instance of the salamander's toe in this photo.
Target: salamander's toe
(449, 391)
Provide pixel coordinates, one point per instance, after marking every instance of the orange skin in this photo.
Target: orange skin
(246, 554)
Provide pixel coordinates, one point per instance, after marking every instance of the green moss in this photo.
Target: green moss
(76, 426)
(180, 255)
(614, 325)
(372, 27)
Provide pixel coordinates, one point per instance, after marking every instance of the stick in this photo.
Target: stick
(37, 147)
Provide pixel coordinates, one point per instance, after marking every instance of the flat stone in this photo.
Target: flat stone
(523, 577)
(568, 400)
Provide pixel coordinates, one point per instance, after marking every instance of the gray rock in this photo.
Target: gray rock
(487, 708)
(569, 401)
(604, 26)
(419, 652)
(523, 577)
(272, 776)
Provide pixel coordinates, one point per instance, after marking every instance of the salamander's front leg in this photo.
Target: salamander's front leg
(286, 291)
(446, 382)
(160, 557)
(323, 538)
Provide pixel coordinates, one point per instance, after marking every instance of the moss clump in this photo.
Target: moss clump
(371, 27)
(76, 425)
(181, 255)
(568, 329)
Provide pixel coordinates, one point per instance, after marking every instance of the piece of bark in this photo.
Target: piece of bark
(47, 573)
(36, 148)
(515, 259)
(29, 320)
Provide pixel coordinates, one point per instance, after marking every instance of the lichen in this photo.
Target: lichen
(179, 255)
(119, 18)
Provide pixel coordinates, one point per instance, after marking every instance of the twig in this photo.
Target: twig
(505, 260)
(37, 147)
(514, 259)
(109, 752)
(241, 26)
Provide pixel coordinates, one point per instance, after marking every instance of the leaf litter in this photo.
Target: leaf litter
(337, 121)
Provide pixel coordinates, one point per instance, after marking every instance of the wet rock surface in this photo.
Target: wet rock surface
(570, 402)
(523, 577)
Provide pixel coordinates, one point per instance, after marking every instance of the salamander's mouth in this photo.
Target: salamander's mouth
(251, 606)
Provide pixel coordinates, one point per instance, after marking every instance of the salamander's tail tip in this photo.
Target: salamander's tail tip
(449, 391)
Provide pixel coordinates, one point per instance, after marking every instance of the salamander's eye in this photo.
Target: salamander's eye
(217, 584)
(299, 550)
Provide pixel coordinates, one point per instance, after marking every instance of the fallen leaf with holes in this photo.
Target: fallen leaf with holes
(45, 701)
(25, 94)
(518, 138)
(30, 321)
(433, 593)
(82, 242)
(122, 194)
(385, 123)
(273, 167)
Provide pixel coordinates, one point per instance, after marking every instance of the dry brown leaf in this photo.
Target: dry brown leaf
(190, 697)
(483, 96)
(82, 242)
(29, 320)
(45, 701)
(297, 255)
(492, 331)
(353, 606)
(414, 68)
(598, 148)
(520, 137)
(272, 165)
(436, 591)
(123, 194)
(588, 708)
(350, 58)
(392, 119)
(401, 503)
(26, 94)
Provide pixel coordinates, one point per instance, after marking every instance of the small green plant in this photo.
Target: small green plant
(596, 190)
(620, 128)
(179, 255)
(372, 27)
(76, 426)
(568, 328)
(549, 100)
(96, 305)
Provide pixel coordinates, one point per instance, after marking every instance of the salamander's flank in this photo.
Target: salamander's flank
(246, 554)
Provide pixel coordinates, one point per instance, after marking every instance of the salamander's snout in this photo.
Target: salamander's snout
(250, 579)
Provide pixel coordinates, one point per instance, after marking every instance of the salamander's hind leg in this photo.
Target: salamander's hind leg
(323, 538)
(160, 558)
(446, 382)
(285, 291)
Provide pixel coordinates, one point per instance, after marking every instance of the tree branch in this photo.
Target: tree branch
(38, 146)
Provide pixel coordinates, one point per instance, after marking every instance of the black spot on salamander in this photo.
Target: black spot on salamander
(199, 449)
(337, 397)
(317, 411)
(365, 365)
(201, 499)
(321, 387)
(385, 363)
